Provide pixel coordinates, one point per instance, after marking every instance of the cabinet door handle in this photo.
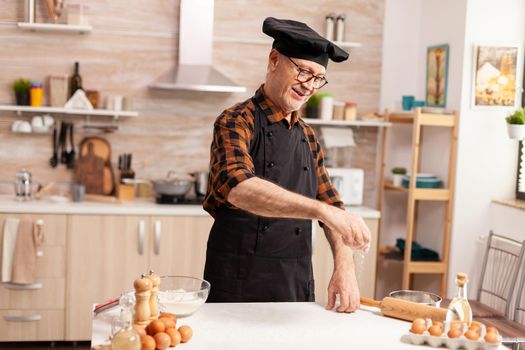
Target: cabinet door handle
(156, 245)
(23, 286)
(142, 236)
(23, 318)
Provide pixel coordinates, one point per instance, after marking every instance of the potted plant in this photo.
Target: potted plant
(516, 124)
(397, 175)
(21, 87)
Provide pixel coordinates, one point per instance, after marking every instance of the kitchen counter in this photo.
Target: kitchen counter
(283, 326)
(9, 205)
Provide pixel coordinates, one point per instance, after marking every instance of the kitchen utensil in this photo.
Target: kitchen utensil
(416, 296)
(62, 143)
(175, 184)
(23, 185)
(406, 310)
(102, 149)
(71, 154)
(89, 171)
(201, 182)
(43, 189)
(54, 158)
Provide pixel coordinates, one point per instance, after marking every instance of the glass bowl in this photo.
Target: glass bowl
(182, 295)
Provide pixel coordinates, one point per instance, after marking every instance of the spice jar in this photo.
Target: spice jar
(350, 111)
(35, 94)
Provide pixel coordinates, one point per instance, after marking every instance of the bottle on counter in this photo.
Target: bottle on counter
(75, 81)
(459, 308)
(125, 337)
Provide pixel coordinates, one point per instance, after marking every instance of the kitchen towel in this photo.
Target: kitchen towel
(24, 257)
(8, 247)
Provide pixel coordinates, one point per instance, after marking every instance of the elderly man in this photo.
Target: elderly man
(268, 181)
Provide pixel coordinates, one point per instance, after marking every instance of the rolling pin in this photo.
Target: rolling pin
(405, 310)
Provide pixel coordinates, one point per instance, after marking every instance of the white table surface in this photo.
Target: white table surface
(271, 326)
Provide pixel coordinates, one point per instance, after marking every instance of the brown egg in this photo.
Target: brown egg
(185, 333)
(174, 335)
(435, 330)
(472, 334)
(155, 327)
(492, 330)
(169, 315)
(438, 323)
(168, 322)
(148, 343)
(418, 328)
(492, 337)
(162, 341)
(476, 324)
(419, 321)
(454, 333)
(140, 330)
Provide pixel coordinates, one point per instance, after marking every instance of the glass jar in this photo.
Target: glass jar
(36, 94)
(350, 111)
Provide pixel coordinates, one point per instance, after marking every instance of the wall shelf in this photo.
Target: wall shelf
(68, 111)
(51, 27)
(265, 41)
(376, 123)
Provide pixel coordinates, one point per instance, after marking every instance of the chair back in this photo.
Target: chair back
(519, 311)
(499, 272)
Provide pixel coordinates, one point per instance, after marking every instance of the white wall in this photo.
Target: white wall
(486, 164)
(486, 156)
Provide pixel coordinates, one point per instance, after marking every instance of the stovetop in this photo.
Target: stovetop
(167, 199)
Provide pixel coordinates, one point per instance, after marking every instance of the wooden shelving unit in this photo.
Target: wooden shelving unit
(376, 123)
(52, 27)
(418, 119)
(267, 41)
(69, 111)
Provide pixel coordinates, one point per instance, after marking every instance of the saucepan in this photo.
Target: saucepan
(174, 184)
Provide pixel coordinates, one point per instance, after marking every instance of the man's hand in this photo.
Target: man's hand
(344, 284)
(352, 228)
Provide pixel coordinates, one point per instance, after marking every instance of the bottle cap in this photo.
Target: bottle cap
(461, 279)
(36, 84)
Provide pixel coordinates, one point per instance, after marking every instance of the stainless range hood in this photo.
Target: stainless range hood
(194, 71)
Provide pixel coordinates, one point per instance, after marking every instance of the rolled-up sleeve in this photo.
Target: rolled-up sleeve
(326, 191)
(231, 160)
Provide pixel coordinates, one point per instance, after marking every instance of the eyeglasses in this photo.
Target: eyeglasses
(305, 76)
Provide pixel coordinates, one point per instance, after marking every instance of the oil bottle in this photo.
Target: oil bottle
(459, 308)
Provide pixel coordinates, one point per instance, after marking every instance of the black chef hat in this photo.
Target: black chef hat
(296, 39)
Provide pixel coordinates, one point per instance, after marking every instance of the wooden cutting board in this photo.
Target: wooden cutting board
(89, 171)
(93, 152)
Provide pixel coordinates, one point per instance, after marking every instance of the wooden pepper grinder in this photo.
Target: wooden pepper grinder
(142, 287)
(153, 301)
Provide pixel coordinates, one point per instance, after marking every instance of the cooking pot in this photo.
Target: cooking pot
(201, 182)
(174, 184)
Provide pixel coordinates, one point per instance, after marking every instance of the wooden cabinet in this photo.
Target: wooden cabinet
(181, 243)
(36, 312)
(107, 253)
(323, 262)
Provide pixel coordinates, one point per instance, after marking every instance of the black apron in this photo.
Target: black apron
(257, 259)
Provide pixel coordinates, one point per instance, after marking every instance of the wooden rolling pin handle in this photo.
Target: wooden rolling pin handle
(370, 302)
